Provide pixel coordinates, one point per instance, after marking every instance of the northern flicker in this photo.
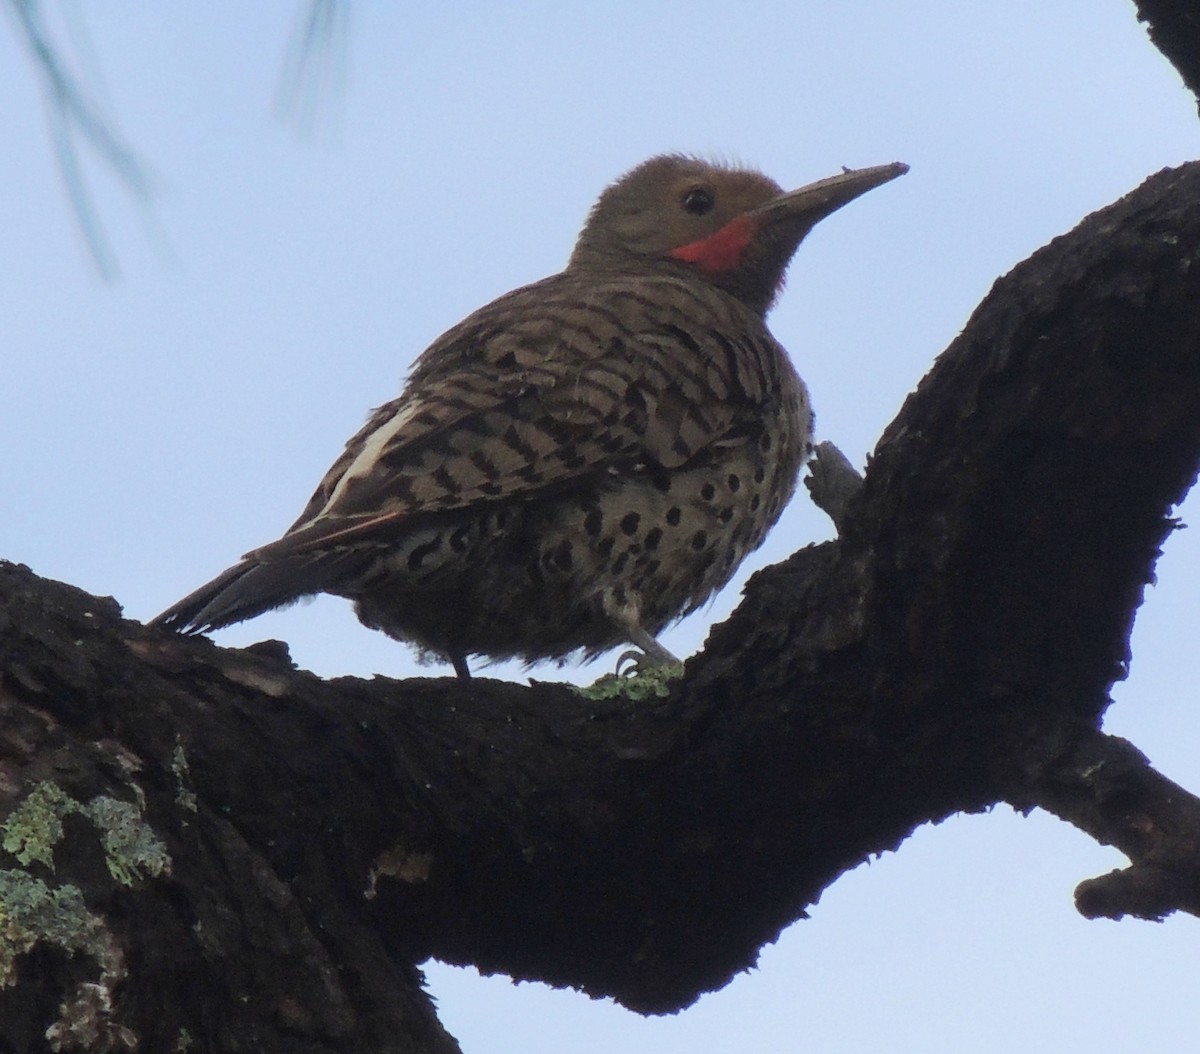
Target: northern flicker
(583, 460)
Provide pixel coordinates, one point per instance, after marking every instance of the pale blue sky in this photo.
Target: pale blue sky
(157, 428)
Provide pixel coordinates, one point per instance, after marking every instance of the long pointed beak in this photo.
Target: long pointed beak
(817, 200)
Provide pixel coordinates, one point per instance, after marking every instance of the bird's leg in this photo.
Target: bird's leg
(652, 668)
(625, 612)
(459, 661)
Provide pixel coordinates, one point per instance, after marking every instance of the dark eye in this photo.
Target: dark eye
(698, 201)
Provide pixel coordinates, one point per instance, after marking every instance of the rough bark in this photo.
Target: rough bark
(264, 857)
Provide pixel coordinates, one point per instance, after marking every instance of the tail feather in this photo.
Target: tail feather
(252, 587)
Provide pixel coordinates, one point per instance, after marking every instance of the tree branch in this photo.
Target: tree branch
(1104, 786)
(1174, 27)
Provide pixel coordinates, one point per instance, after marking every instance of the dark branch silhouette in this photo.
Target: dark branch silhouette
(1174, 26)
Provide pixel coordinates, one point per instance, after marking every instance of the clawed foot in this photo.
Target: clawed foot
(635, 658)
(647, 657)
(649, 673)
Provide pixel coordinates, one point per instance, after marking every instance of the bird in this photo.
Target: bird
(584, 460)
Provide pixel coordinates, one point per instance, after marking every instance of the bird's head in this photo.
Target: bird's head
(734, 227)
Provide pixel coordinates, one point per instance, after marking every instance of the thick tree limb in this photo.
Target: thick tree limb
(1104, 786)
(1174, 26)
(954, 648)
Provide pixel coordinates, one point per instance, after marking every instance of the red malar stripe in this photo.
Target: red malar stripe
(721, 251)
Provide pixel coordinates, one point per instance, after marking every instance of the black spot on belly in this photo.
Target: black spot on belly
(653, 537)
(699, 540)
(593, 522)
(673, 516)
(629, 523)
(708, 492)
(418, 555)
